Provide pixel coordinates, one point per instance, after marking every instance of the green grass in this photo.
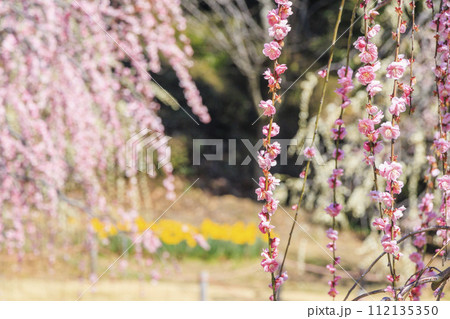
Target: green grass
(218, 249)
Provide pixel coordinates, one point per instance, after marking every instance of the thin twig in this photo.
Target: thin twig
(411, 71)
(395, 120)
(324, 88)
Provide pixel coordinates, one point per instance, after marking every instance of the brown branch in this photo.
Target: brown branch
(440, 290)
(444, 276)
(408, 287)
(374, 292)
(435, 280)
(430, 229)
(428, 265)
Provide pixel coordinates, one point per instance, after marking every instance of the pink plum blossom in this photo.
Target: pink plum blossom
(333, 209)
(390, 246)
(341, 73)
(272, 50)
(394, 186)
(322, 73)
(377, 117)
(380, 223)
(398, 213)
(332, 292)
(365, 74)
(390, 171)
(332, 234)
(369, 54)
(63, 80)
(280, 30)
(415, 257)
(374, 87)
(269, 264)
(339, 153)
(397, 106)
(444, 183)
(309, 152)
(273, 17)
(268, 107)
(273, 150)
(395, 70)
(338, 133)
(265, 226)
(426, 205)
(387, 199)
(442, 145)
(286, 10)
(331, 268)
(280, 69)
(403, 27)
(263, 194)
(366, 126)
(389, 131)
(360, 43)
(373, 31)
(372, 109)
(420, 240)
(284, 2)
(274, 132)
(265, 161)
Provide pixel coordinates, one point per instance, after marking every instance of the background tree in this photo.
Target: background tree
(75, 84)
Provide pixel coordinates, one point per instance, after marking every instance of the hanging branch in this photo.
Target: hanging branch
(412, 78)
(425, 230)
(345, 75)
(309, 151)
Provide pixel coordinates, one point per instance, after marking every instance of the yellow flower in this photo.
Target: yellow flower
(124, 226)
(141, 224)
(111, 230)
(99, 228)
(173, 232)
(96, 224)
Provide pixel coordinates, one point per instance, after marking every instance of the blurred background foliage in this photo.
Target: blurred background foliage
(231, 89)
(226, 89)
(209, 240)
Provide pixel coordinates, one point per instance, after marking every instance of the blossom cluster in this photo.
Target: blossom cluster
(389, 130)
(338, 133)
(427, 216)
(66, 121)
(278, 30)
(366, 76)
(373, 128)
(441, 145)
(392, 170)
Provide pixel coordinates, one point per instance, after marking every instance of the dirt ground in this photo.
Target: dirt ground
(228, 280)
(180, 280)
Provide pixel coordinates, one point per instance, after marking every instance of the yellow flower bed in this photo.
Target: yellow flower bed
(173, 232)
